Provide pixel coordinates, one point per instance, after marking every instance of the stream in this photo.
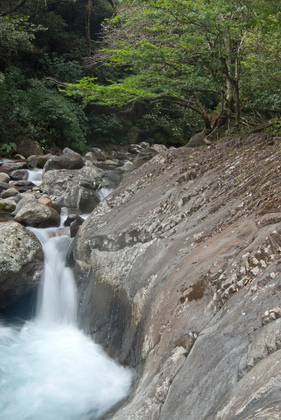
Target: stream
(49, 369)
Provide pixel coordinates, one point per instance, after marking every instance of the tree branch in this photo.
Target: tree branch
(112, 2)
(13, 9)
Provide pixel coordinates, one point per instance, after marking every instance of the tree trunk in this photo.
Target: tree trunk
(204, 115)
(237, 102)
(88, 27)
(112, 2)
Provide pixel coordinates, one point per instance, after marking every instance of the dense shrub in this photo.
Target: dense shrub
(32, 108)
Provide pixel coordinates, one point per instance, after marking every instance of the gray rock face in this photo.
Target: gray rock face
(35, 214)
(70, 160)
(179, 275)
(21, 262)
(74, 188)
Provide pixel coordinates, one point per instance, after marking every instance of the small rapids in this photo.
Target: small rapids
(35, 176)
(49, 369)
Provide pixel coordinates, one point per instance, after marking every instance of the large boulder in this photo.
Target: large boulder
(27, 147)
(179, 275)
(35, 214)
(38, 161)
(69, 160)
(74, 188)
(21, 262)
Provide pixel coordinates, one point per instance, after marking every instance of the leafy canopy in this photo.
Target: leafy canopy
(202, 55)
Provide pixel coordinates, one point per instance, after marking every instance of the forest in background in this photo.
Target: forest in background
(44, 44)
(92, 72)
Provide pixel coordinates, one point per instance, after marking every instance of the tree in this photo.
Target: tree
(88, 23)
(41, 41)
(181, 52)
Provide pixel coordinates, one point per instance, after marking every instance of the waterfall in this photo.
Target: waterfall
(49, 369)
(57, 300)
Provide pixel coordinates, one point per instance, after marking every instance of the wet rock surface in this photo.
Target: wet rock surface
(179, 275)
(21, 262)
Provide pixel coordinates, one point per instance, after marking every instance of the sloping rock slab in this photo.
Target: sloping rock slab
(21, 262)
(179, 275)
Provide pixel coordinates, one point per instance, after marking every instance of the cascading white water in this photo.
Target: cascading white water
(49, 369)
(57, 301)
(104, 192)
(35, 176)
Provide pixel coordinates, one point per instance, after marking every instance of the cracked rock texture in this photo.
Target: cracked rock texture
(179, 276)
(74, 187)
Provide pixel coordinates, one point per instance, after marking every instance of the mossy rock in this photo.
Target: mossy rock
(7, 205)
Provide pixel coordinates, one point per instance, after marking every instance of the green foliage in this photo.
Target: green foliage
(54, 118)
(60, 68)
(198, 55)
(7, 148)
(29, 107)
(106, 126)
(41, 43)
(17, 32)
(262, 67)
(175, 60)
(10, 87)
(170, 126)
(276, 126)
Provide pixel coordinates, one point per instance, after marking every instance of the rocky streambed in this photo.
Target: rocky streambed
(178, 272)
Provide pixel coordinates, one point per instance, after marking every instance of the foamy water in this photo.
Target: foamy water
(49, 369)
(35, 176)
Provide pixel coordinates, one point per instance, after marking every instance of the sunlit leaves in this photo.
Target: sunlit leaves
(202, 53)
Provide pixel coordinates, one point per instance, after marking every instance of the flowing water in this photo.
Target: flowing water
(35, 176)
(49, 369)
